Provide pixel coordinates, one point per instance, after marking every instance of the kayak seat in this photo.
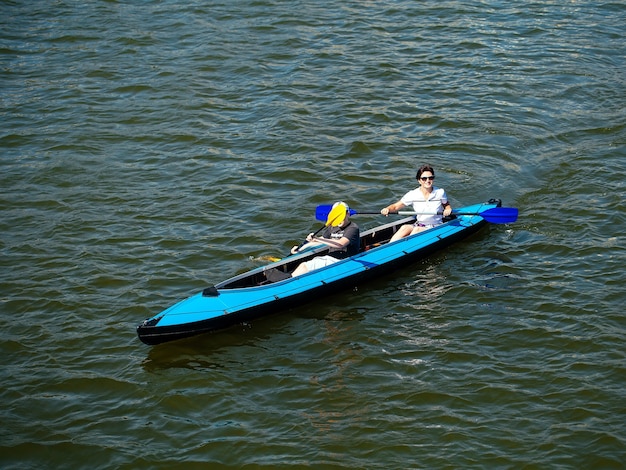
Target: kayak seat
(276, 275)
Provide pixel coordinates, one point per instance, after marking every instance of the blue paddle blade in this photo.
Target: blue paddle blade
(321, 212)
(500, 215)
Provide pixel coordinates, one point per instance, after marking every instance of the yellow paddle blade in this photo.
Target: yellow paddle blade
(271, 259)
(336, 215)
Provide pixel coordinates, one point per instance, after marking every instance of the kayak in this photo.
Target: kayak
(252, 294)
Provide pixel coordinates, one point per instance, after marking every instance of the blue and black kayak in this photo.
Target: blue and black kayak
(251, 295)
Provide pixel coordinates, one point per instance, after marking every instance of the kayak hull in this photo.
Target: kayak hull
(249, 296)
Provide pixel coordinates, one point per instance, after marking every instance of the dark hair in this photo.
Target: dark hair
(422, 169)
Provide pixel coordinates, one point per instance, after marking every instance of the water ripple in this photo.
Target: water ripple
(149, 150)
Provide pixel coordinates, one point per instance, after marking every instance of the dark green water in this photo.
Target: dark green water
(151, 148)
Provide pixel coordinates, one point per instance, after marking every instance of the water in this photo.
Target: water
(149, 149)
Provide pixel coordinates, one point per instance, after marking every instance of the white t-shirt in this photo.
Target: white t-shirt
(437, 199)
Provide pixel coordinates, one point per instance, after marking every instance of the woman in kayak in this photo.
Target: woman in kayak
(429, 201)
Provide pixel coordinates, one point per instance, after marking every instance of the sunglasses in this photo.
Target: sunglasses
(424, 178)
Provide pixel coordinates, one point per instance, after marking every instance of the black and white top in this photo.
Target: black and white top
(350, 231)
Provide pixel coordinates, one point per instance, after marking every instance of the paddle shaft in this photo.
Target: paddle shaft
(419, 213)
(495, 215)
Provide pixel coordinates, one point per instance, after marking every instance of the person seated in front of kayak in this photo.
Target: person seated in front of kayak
(344, 241)
(430, 202)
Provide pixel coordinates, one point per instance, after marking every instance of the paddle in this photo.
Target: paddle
(495, 215)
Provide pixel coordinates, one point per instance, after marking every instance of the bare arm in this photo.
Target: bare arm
(318, 241)
(395, 207)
